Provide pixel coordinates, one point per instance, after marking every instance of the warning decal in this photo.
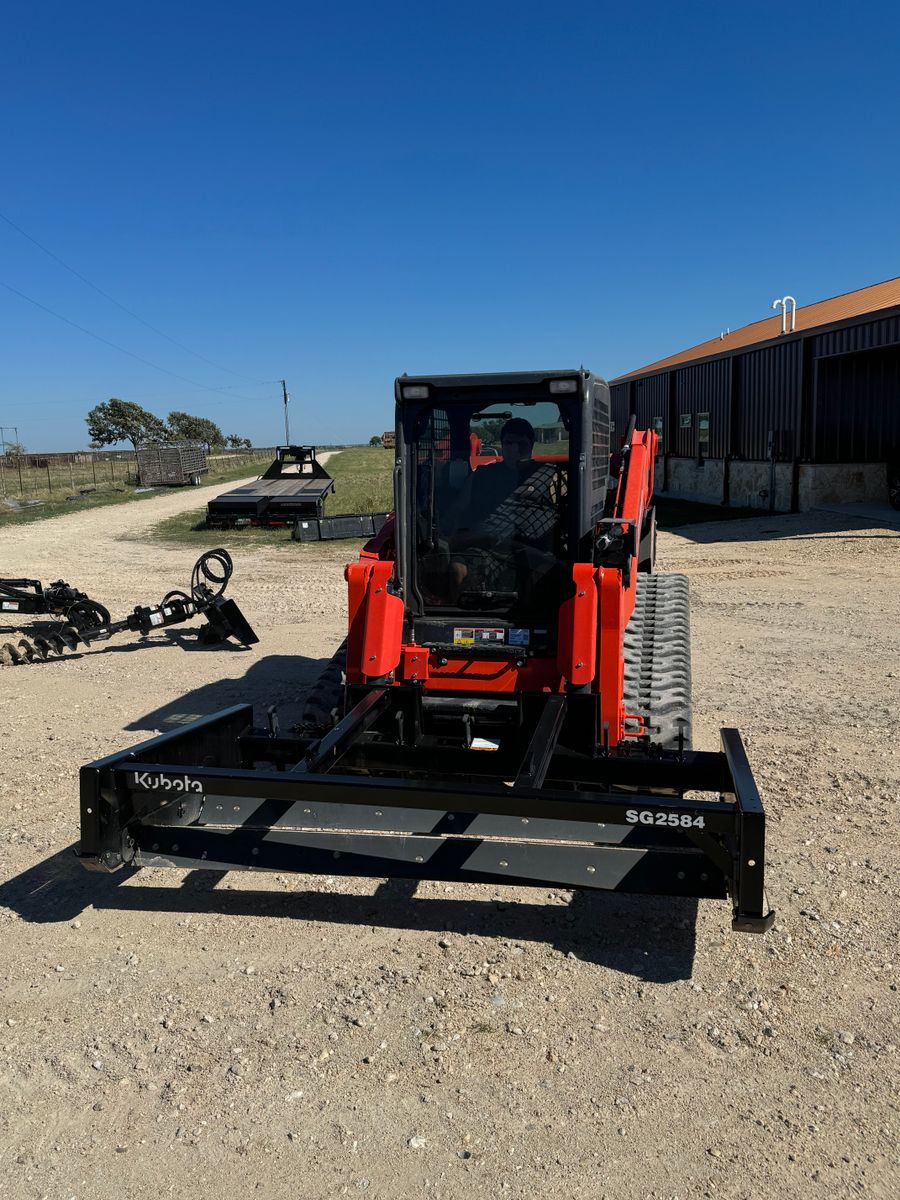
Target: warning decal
(469, 635)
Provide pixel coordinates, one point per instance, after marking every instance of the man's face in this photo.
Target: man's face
(515, 448)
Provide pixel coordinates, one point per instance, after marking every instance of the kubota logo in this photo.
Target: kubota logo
(162, 783)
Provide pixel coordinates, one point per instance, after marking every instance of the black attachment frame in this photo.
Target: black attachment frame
(381, 795)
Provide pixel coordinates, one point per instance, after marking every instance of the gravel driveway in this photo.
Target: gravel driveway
(185, 1035)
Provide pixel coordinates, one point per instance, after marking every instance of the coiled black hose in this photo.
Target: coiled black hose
(211, 573)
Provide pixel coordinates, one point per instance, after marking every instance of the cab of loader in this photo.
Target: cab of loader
(500, 483)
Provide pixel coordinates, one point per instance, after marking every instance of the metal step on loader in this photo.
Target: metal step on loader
(82, 621)
(511, 704)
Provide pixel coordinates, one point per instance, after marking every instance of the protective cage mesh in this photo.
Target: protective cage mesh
(434, 440)
(599, 453)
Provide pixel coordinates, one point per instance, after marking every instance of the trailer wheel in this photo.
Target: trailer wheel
(324, 704)
(657, 655)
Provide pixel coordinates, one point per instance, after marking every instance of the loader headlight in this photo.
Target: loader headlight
(563, 385)
(415, 392)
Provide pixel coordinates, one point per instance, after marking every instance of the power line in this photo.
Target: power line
(113, 300)
(106, 342)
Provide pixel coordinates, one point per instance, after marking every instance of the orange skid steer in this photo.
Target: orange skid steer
(511, 704)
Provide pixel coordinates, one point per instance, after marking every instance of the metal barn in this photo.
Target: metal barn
(799, 409)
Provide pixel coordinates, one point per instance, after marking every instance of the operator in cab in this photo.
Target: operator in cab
(506, 518)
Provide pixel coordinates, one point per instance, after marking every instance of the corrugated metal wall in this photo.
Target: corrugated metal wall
(768, 385)
(619, 412)
(651, 403)
(850, 431)
(704, 388)
(867, 336)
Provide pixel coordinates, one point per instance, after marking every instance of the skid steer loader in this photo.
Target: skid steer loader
(512, 702)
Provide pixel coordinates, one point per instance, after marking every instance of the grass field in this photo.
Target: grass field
(113, 486)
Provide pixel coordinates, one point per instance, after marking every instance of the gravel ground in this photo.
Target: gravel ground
(176, 1034)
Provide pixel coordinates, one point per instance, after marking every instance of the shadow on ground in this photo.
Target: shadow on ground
(649, 937)
(186, 639)
(279, 679)
(773, 526)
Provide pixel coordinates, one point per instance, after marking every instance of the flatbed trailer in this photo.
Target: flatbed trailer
(293, 488)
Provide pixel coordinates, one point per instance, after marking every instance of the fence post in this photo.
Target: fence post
(49, 479)
(94, 468)
(72, 474)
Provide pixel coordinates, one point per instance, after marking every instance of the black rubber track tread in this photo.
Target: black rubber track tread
(323, 706)
(657, 654)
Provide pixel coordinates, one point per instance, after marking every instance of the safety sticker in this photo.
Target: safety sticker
(519, 637)
(471, 636)
(10, 606)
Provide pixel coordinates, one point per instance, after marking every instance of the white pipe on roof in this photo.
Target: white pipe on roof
(784, 301)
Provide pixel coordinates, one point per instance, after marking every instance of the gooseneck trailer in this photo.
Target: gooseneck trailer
(293, 488)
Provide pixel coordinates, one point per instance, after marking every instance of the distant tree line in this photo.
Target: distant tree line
(124, 421)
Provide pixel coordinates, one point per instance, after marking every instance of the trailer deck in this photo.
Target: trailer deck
(294, 487)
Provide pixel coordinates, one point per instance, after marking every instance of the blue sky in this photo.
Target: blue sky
(338, 195)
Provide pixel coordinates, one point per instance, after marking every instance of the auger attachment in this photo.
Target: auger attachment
(86, 621)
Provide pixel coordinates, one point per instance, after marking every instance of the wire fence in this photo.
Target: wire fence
(57, 476)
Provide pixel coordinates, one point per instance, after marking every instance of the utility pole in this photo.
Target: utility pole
(287, 400)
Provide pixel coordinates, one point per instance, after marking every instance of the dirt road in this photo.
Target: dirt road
(172, 1035)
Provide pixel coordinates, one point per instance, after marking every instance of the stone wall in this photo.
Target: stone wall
(841, 483)
(819, 483)
(752, 481)
(693, 480)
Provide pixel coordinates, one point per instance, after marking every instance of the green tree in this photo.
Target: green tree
(124, 421)
(375, 441)
(15, 450)
(196, 431)
(234, 441)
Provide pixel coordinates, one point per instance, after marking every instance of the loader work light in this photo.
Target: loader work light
(563, 385)
(416, 392)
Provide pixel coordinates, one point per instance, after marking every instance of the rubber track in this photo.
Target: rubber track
(323, 706)
(658, 658)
